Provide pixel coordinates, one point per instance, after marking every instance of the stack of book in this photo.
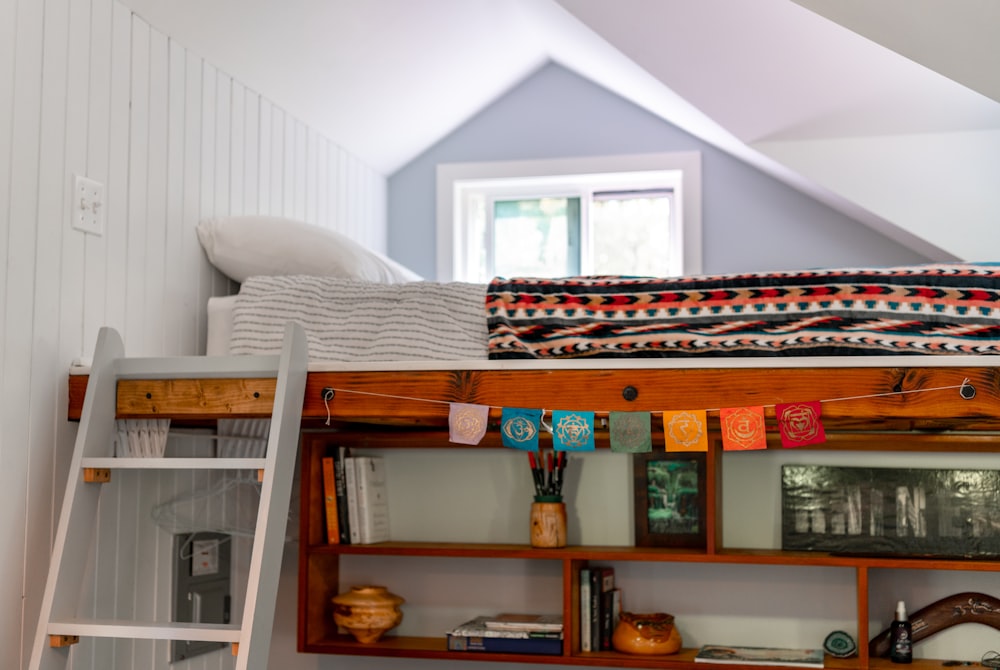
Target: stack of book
(510, 634)
(600, 605)
(356, 498)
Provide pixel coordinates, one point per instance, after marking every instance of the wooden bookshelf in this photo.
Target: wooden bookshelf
(319, 564)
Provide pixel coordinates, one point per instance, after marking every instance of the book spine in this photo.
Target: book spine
(607, 607)
(343, 520)
(585, 610)
(330, 501)
(595, 608)
(352, 499)
(373, 504)
(616, 609)
(504, 645)
(361, 482)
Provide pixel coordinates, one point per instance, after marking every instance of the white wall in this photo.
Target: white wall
(88, 88)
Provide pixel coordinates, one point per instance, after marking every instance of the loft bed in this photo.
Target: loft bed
(398, 353)
(901, 357)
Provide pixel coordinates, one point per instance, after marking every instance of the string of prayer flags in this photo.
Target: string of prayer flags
(519, 428)
(572, 431)
(685, 430)
(743, 428)
(630, 432)
(799, 423)
(467, 423)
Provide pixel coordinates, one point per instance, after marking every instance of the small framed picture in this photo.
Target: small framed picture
(670, 500)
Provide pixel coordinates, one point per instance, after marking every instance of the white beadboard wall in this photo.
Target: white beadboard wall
(88, 88)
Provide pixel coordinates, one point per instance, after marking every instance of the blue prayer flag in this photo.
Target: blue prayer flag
(519, 428)
(572, 431)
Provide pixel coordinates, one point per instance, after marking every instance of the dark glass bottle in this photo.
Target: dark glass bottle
(900, 642)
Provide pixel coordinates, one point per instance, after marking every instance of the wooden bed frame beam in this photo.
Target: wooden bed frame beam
(854, 398)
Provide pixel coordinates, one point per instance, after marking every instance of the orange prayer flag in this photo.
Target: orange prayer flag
(743, 428)
(685, 430)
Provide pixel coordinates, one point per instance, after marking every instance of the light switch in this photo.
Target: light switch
(204, 558)
(87, 206)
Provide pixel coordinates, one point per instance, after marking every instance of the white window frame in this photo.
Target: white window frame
(455, 181)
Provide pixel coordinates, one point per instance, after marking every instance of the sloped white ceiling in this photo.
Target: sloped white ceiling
(880, 136)
(910, 147)
(959, 39)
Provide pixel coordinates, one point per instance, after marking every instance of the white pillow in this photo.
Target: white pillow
(245, 246)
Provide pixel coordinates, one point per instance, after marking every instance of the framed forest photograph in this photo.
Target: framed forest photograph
(670, 499)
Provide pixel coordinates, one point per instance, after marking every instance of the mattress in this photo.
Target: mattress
(925, 310)
(220, 324)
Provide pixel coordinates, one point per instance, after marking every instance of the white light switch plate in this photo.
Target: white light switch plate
(204, 557)
(87, 206)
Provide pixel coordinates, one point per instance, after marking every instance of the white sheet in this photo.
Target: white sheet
(220, 325)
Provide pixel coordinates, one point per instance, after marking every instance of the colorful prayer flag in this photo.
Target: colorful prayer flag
(572, 431)
(630, 432)
(685, 430)
(799, 423)
(467, 423)
(743, 428)
(519, 428)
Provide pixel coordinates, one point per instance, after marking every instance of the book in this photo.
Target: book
(602, 580)
(529, 622)
(343, 520)
(595, 609)
(330, 501)
(351, 488)
(607, 607)
(805, 658)
(505, 645)
(475, 635)
(480, 627)
(616, 608)
(373, 500)
(585, 609)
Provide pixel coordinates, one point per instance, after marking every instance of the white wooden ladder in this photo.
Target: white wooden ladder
(60, 625)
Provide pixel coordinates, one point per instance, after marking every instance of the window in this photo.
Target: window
(637, 215)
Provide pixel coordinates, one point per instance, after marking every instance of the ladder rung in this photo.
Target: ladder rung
(197, 366)
(138, 630)
(126, 463)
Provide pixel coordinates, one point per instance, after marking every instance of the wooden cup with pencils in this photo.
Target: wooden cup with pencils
(548, 511)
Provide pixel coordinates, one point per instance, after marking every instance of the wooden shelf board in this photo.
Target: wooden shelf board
(651, 554)
(434, 647)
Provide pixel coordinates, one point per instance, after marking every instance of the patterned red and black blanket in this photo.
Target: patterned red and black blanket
(921, 309)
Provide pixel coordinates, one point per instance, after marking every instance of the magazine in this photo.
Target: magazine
(478, 628)
(717, 653)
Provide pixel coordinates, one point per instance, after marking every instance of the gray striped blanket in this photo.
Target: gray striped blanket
(349, 320)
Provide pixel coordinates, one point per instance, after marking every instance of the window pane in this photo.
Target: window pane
(537, 237)
(630, 233)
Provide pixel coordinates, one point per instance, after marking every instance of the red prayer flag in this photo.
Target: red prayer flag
(799, 423)
(743, 428)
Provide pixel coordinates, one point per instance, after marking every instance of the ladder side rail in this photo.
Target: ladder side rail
(77, 516)
(272, 515)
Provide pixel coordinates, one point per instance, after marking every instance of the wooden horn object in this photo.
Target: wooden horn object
(960, 608)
